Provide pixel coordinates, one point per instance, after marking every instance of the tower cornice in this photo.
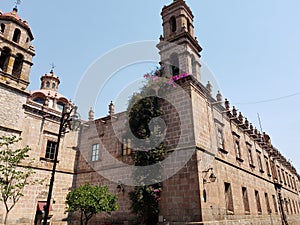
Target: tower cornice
(17, 20)
(174, 6)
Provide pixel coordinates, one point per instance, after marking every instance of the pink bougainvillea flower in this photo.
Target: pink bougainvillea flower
(155, 78)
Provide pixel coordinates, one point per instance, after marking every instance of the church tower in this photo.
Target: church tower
(179, 49)
(16, 51)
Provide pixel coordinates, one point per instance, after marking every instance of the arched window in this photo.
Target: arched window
(189, 25)
(17, 34)
(60, 106)
(2, 27)
(53, 85)
(47, 84)
(4, 58)
(173, 24)
(174, 64)
(18, 64)
(39, 100)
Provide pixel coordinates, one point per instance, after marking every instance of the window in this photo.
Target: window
(173, 24)
(283, 175)
(258, 205)
(259, 162)
(51, 150)
(17, 34)
(294, 183)
(250, 156)
(245, 200)
(4, 58)
(267, 165)
(126, 147)
(2, 29)
(294, 206)
(237, 147)
(279, 174)
(95, 152)
(39, 100)
(286, 205)
(287, 178)
(60, 106)
(47, 84)
(174, 64)
(220, 138)
(267, 203)
(275, 204)
(53, 85)
(189, 25)
(17, 67)
(290, 204)
(228, 197)
(291, 181)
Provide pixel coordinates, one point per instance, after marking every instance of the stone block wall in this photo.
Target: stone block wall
(11, 110)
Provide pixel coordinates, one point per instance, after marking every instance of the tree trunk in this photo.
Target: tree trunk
(5, 217)
(81, 218)
(87, 218)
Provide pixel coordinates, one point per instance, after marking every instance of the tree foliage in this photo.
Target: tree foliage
(144, 203)
(15, 172)
(143, 109)
(91, 200)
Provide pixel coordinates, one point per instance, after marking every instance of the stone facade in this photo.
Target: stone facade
(219, 170)
(35, 117)
(16, 50)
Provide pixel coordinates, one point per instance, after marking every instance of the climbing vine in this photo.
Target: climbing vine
(143, 108)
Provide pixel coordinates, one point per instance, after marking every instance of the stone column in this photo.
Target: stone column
(10, 65)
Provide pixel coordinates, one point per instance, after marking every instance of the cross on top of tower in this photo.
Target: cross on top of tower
(52, 67)
(18, 2)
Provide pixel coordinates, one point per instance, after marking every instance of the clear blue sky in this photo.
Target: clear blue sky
(252, 47)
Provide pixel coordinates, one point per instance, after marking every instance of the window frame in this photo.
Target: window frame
(220, 138)
(279, 175)
(51, 150)
(16, 35)
(259, 161)
(250, 155)
(246, 200)
(258, 203)
(2, 28)
(268, 203)
(228, 198)
(237, 147)
(173, 24)
(95, 152)
(126, 147)
(268, 169)
(275, 204)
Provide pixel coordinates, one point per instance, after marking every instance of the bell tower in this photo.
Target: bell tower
(16, 51)
(179, 49)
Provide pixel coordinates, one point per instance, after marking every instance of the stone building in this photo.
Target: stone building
(35, 117)
(220, 169)
(226, 171)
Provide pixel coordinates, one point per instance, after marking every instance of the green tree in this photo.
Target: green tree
(15, 172)
(90, 200)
